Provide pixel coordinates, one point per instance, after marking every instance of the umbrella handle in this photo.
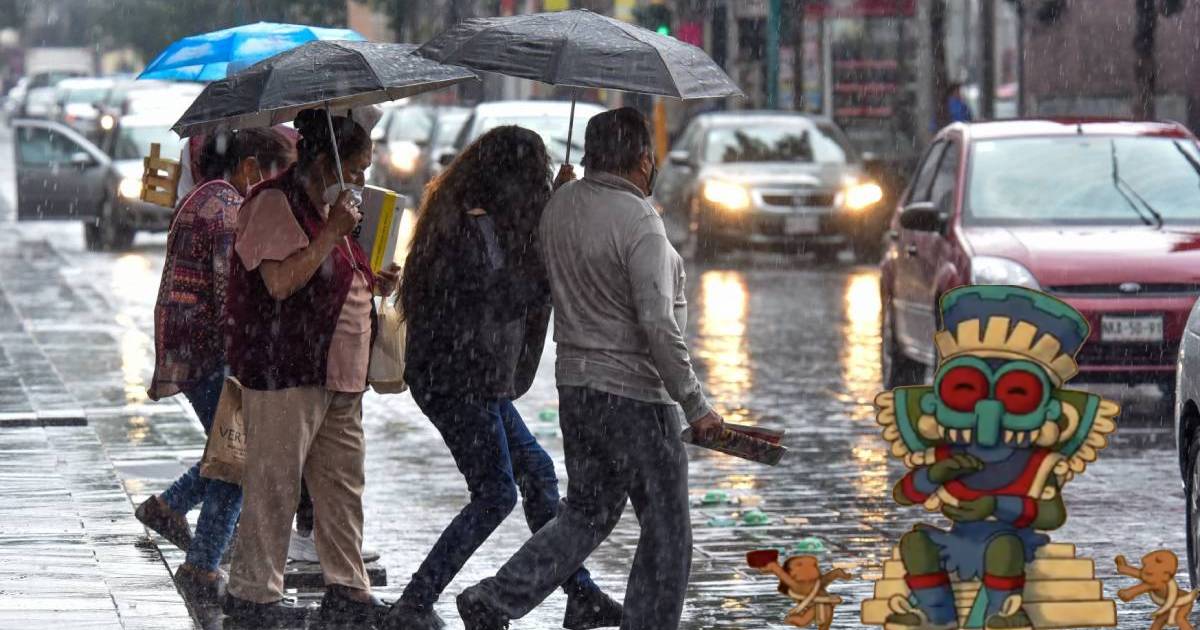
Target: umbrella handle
(571, 123)
(337, 159)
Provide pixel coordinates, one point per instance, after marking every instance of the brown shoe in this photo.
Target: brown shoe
(203, 587)
(155, 514)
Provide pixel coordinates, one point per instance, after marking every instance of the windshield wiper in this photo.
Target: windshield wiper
(1188, 156)
(1129, 194)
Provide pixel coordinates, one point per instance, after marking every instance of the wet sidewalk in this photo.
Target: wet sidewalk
(72, 555)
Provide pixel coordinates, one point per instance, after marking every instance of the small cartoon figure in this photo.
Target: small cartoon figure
(800, 578)
(990, 445)
(1157, 574)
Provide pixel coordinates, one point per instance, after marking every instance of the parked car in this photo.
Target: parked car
(39, 93)
(763, 179)
(1187, 431)
(549, 119)
(401, 134)
(39, 103)
(14, 100)
(62, 175)
(76, 102)
(144, 96)
(1103, 215)
(439, 151)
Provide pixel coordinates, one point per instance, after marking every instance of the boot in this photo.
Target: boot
(591, 609)
(477, 614)
(155, 514)
(934, 608)
(405, 616)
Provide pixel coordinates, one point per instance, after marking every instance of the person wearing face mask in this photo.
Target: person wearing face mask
(189, 349)
(300, 320)
(477, 307)
(623, 373)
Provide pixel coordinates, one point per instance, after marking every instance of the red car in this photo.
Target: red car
(1102, 214)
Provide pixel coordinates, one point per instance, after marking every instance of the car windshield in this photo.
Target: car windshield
(412, 123)
(449, 125)
(788, 142)
(1084, 180)
(551, 127)
(133, 143)
(86, 95)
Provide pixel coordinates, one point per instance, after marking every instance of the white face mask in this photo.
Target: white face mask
(332, 191)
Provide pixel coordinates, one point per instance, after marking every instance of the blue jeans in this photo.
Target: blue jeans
(498, 456)
(222, 500)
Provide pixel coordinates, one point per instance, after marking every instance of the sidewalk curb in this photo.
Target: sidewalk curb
(53, 418)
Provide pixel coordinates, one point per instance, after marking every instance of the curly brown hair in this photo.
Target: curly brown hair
(506, 172)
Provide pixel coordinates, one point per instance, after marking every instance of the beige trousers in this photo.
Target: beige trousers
(319, 433)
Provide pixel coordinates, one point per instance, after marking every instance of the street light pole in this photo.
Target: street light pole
(774, 9)
(987, 79)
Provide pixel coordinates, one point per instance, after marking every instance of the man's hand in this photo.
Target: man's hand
(387, 279)
(969, 511)
(953, 468)
(565, 174)
(708, 427)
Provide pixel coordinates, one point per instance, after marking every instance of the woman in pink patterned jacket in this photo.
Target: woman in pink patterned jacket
(188, 342)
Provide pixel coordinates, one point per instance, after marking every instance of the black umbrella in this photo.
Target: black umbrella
(329, 74)
(582, 49)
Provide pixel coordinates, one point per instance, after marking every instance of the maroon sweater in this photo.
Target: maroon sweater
(279, 344)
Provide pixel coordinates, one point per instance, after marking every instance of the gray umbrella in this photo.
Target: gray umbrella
(329, 74)
(582, 49)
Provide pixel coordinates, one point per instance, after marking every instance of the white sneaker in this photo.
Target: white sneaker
(303, 549)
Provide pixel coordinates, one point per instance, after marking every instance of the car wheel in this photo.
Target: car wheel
(1167, 388)
(107, 232)
(1192, 523)
(702, 246)
(898, 369)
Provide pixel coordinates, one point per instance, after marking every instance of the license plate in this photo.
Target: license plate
(801, 225)
(1131, 328)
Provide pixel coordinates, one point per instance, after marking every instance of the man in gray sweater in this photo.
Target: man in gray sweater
(623, 373)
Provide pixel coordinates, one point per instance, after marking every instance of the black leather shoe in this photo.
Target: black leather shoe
(477, 614)
(592, 609)
(337, 607)
(404, 616)
(248, 614)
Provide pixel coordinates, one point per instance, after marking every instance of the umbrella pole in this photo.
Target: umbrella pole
(337, 159)
(571, 122)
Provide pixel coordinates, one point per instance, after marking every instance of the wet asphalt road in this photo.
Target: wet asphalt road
(777, 342)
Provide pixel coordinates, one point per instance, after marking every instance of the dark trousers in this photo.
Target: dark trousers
(616, 448)
(499, 457)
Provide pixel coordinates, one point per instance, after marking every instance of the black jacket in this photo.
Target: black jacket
(482, 333)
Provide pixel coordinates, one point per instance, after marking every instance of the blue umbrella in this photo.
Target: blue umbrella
(216, 55)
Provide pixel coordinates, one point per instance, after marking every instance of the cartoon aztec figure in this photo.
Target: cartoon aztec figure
(801, 579)
(990, 445)
(1157, 575)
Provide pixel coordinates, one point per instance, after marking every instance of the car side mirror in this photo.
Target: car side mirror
(924, 216)
(679, 158)
(446, 158)
(81, 159)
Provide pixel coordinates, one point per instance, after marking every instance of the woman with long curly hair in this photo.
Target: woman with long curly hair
(477, 303)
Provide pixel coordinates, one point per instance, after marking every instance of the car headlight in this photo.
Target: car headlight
(994, 270)
(403, 156)
(727, 195)
(861, 196)
(107, 121)
(130, 187)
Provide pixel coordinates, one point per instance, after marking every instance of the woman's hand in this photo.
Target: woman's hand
(343, 215)
(565, 174)
(386, 280)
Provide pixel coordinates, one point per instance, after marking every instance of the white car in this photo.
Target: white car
(1187, 432)
(549, 119)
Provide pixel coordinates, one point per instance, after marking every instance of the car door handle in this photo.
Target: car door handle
(911, 250)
